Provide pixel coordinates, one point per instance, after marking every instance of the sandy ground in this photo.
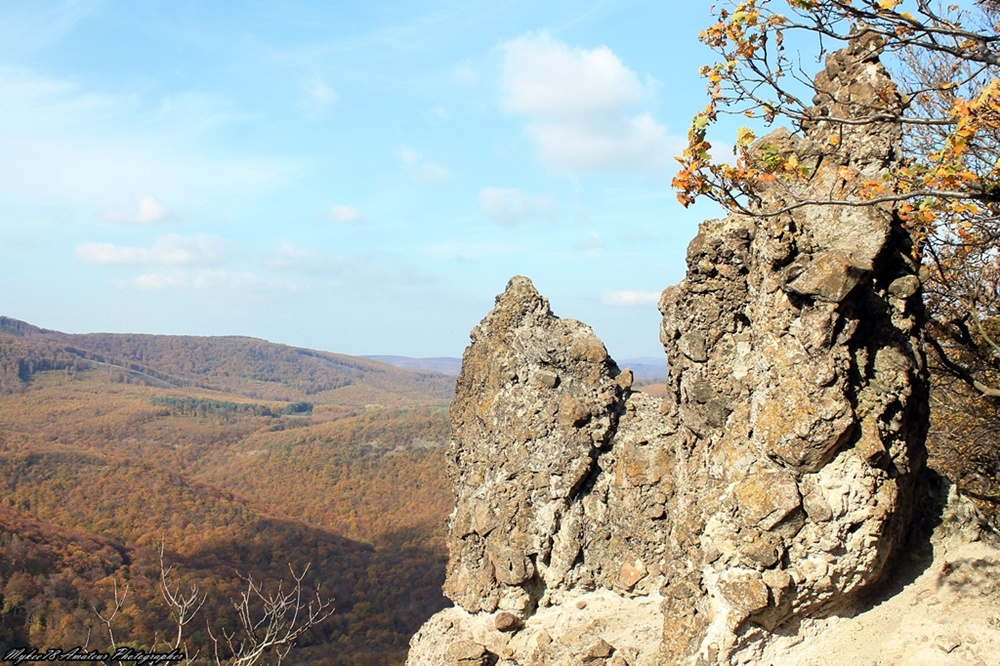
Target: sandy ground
(935, 612)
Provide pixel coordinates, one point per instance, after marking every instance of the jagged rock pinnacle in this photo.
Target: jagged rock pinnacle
(774, 482)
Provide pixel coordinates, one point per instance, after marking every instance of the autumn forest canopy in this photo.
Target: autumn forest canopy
(240, 458)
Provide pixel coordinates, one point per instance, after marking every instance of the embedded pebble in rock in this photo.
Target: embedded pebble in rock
(507, 622)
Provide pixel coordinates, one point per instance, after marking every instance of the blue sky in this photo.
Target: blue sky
(358, 177)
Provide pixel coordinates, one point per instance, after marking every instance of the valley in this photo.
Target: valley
(240, 457)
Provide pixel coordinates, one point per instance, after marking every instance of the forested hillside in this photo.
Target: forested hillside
(231, 364)
(240, 457)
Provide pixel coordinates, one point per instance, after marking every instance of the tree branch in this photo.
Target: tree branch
(960, 372)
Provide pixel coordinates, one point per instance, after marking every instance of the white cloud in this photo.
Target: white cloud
(582, 107)
(149, 211)
(346, 215)
(422, 170)
(545, 77)
(29, 27)
(287, 256)
(638, 234)
(356, 270)
(509, 207)
(593, 246)
(191, 113)
(214, 279)
(171, 250)
(469, 250)
(464, 73)
(630, 298)
(65, 143)
(319, 97)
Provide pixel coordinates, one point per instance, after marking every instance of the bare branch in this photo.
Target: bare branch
(982, 331)
(960, 372)
(270, 621)
(852, 203)
(183, 607)
(119, 602)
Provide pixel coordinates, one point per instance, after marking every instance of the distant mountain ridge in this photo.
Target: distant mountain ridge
(644, 368)
(232, 364)
(446, 365)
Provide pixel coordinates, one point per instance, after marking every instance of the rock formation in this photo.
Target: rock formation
(595, 524)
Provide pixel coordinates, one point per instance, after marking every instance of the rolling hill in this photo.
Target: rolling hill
(241, 457)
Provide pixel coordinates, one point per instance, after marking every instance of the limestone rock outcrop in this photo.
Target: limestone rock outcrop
(773, 483)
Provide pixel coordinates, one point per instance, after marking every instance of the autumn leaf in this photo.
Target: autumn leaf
(744, 136)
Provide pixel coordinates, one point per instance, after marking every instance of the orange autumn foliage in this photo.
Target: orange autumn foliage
(945, 63)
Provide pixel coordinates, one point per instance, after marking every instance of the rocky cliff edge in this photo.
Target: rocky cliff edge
(773, 486)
